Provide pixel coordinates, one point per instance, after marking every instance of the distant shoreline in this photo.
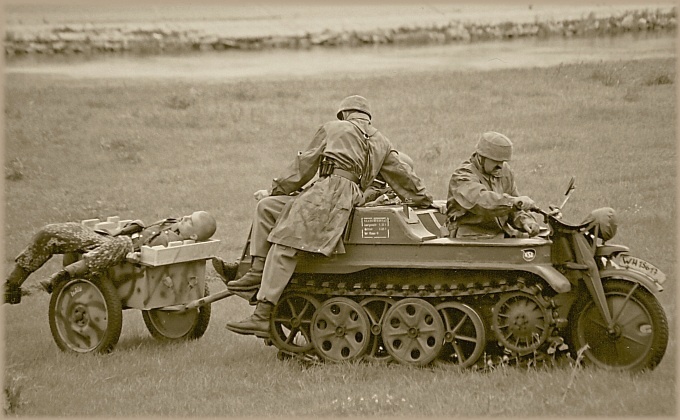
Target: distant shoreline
(72, 31)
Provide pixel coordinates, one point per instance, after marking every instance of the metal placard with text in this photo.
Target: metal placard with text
(375, 227)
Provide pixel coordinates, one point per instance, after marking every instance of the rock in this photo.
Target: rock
(628, 22)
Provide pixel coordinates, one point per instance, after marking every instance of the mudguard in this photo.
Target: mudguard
(633, 277)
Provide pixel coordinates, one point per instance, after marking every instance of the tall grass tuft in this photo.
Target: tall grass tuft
(608, 74)
(662, 79)
(14, 170)
(13, 400)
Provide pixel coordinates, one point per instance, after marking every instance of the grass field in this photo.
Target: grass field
(80, 149)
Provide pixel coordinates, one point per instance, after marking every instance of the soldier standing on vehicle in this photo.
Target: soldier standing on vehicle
(101, 249)
(348, 154)
(483, 201)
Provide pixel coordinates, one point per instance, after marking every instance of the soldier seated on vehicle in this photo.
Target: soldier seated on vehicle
(267, 212)
(101, 249)
(483, 201)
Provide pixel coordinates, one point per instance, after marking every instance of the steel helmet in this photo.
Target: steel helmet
(204, 224)
(494, 146)
(356, 103)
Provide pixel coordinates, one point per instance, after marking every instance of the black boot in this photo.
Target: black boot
(251, 280)
(54, 280)
(227, 271)
(257, 324)
(12, 293)
(13, 285)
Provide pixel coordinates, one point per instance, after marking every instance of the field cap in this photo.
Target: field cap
(494, 146)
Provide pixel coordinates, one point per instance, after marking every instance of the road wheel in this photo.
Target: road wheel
(639, 336)
(340, 330)
(86, 315)
(413, 332)
(376, 307)
(174, 326)
(465, 337)
(291, 322)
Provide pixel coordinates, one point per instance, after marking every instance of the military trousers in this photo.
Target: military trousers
(99, 251)
(267, 213)
(278, 270)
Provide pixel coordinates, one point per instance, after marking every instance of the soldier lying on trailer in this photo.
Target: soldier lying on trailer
(101, 249)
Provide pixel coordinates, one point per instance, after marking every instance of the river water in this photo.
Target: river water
(277, 64)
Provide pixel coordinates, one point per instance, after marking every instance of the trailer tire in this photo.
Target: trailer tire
(175, 326)
(85, 315)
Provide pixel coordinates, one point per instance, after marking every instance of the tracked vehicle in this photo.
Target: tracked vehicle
(403, 291)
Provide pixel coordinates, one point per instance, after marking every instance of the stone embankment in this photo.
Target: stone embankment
(91, 39)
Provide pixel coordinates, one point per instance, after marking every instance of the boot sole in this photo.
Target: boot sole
(243, 331)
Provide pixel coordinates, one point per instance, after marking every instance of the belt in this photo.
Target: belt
(346, 174)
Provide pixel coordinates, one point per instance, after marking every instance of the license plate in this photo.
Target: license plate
(642, 266)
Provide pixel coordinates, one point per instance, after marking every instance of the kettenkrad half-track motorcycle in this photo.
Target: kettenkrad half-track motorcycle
(404, 291)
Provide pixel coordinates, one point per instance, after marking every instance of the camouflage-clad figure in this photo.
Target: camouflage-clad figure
(348, 154)
(101, 249)
(483, 200)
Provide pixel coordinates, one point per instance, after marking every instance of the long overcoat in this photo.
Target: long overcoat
(315, 220)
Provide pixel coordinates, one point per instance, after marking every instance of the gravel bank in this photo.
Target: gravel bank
(63, 30)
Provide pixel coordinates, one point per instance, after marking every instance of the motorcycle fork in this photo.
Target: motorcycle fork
(585, 255)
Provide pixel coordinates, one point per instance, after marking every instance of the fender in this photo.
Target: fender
(610, 250)
(633, 277)
(554, 278)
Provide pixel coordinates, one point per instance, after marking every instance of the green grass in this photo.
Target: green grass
(147, 149)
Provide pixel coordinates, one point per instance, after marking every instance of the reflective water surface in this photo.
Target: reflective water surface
(479, 56)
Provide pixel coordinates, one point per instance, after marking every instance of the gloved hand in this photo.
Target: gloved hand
(133, 257)
(260, 194)
(555, 212)
(523, 202)
(531, 227)
(378, 201)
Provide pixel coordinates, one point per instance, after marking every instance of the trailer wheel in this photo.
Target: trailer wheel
(176, 326)
(86, 315)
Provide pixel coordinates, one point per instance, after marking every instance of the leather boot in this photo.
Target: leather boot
(13, 285)
(257, 324)
(227, 271)
(54, 280)
(251, 280)
(12, 293)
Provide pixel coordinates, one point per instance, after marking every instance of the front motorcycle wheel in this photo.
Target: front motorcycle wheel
(637, 339)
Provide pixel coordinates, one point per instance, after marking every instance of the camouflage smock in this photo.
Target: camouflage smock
(315, 220)
(478, 204)
(100, 250)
